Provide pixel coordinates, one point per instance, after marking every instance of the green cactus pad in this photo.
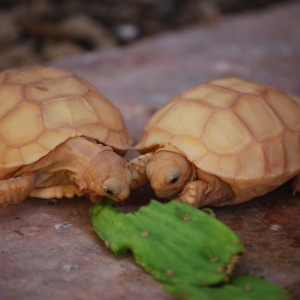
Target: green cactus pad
(175, 242)
(244, 287)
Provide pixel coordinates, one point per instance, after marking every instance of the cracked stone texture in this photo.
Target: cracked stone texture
(51, 252)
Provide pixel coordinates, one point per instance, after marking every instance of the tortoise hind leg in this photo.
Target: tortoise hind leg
(14, 190)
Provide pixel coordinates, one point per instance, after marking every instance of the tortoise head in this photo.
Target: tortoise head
(107, 175)
(168, 173)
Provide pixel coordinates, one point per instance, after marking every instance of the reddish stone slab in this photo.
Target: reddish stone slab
(51, 252)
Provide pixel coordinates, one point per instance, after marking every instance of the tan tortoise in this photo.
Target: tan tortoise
(221, 143)
(59, 137)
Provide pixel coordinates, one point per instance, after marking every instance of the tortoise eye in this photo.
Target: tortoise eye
(174, 180)
(173, 176)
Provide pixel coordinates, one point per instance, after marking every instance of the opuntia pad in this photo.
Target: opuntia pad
(175, 242)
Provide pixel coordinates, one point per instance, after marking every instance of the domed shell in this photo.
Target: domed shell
(244, 132)
(41, 107)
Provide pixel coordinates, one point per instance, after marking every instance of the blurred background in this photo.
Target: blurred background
(38, 31)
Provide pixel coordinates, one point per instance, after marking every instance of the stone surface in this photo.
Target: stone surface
(51, 251)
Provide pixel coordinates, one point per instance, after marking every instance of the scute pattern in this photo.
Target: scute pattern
(259, 118)
(238, 85)
(287, 110)
(14, 94)
(34, 74)
(108, 114)
(12, 158)
(66, 112)
(223, 124)
(191, 126)
(21, 125)
(51, 88)
(221, 99)
(224, 133)
(41, 107)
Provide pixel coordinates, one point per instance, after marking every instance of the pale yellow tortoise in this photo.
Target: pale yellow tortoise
(221, 143)
(59, 137)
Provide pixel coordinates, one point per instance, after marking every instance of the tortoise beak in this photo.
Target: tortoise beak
(167, 194)
(92, 195)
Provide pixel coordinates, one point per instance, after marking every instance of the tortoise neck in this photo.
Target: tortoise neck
(70, 158)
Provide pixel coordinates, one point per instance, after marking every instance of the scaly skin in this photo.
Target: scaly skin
(137, 167)
(17, 189)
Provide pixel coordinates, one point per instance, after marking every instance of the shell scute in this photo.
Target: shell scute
(176, 121)
(105, 111)
(291, 148)
(25, 118)
(49, 139)
(48, 89)
(225, 134)
(12, 159)
(14, 96)
(223, 166)
(193, 148)
(261, 121)
(114, 139)
(294, 98)
(32, 74)
(240, 85)
(153, 138)
(41, 107)
(251, 171)
(211, 96)
(32, 152)
(159, 115)
(286, 109)
(87, 84)
(95, 131)
(274, 158)
(67, 112)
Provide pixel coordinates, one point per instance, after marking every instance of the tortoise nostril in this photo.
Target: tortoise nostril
(109, 192)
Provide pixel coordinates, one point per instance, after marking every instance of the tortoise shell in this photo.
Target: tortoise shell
(41, 107)
(243, 132)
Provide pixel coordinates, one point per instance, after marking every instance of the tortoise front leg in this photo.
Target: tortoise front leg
(14, 190)
(137, 167)
(208, 191)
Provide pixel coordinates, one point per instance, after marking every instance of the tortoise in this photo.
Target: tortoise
(59, 137)
(221, 143)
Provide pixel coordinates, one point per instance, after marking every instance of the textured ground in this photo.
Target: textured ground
(51, 252)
